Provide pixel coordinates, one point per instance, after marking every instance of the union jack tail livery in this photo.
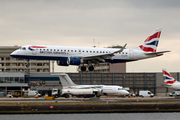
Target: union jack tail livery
(168, 79)
(151, 43)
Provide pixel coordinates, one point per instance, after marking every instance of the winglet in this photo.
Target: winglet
(124, 47)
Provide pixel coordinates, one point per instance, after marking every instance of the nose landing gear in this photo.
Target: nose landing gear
(28, 64)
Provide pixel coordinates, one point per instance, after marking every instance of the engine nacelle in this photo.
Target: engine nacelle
(63, 62)
(99, 92)
(69, 61)
(75, 61)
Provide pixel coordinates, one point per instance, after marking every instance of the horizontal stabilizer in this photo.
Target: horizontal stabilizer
(156, 53)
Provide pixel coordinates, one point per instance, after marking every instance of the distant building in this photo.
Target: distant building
(9, 64)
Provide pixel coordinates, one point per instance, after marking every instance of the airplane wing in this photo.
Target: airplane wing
(157, 53)
(103, 56)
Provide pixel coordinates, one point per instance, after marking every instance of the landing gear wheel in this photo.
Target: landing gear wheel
(91, 68)
(27, 65)
(83, 68)
(66, 96)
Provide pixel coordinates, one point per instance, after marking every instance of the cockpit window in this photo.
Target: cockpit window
(23, 48)
(120, 89)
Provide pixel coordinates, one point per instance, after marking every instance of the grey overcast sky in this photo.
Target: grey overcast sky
(108, 22)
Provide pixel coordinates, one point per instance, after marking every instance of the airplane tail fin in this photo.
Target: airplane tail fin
(168, 79)
(151, 43)
(65, 80)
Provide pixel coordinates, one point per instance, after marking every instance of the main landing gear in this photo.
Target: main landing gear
(28, 64)
(90, 68)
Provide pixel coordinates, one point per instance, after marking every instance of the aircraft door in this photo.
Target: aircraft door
(34, 51)
(131, 54)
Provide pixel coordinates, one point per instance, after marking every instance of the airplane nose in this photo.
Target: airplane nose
(13, 54)
(126, 92)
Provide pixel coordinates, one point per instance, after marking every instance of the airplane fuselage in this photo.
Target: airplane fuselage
(42, 52)
(174, 86)
(106, 89)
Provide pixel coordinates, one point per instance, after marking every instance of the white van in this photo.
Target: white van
(175, 93)
(33, 93)
(146, 93)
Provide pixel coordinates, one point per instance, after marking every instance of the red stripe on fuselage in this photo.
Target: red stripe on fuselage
(37, 47)
(156, 35)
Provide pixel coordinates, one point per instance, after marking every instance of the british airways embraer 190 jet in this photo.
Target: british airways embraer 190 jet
(65, 55)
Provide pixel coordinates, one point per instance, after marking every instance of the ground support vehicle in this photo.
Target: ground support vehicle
(146, 93)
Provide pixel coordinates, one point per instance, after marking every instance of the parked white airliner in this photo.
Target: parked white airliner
(112, 90)
(169, 81)
(65, 55)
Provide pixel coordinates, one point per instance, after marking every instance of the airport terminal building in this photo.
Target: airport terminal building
(134, 81)
(45, 81)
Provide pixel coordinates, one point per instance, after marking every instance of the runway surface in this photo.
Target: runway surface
(102, 99)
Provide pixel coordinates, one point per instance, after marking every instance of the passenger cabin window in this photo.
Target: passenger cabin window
(71, 50)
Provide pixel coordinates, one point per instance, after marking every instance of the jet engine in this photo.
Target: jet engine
(69, 61)
(99, 92)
